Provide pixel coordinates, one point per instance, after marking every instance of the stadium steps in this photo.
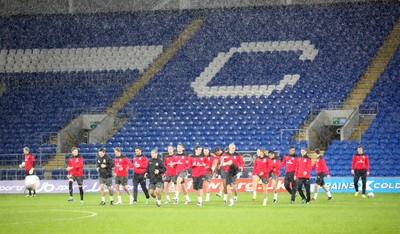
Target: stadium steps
(164, 57)
(376, 67)
(368, 79)
(58, 161)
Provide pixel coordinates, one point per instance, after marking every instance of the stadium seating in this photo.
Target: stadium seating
(55, 67)
(380, 141)
(248, 76)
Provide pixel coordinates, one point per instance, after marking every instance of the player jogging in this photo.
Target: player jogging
(169, 176)
(121, 166)
(75, 173)
(303, 172)
(290, 162)
(322, 171)
(155, 168)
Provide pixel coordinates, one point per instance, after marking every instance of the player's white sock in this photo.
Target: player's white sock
(130, 198)
(254, 193)
(187, 197)
(225, 195)
(200, 199)
(207, 196)
(265, 199)
(315, 196)
(275, 196)
(329, 194)
(103, 199)
(111, 198)
(177, 194)
(167, 197)
(119, 199)
(231, 200)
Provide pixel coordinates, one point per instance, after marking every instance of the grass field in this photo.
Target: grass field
(51, 213)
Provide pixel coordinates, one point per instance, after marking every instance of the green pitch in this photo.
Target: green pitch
(51, 213)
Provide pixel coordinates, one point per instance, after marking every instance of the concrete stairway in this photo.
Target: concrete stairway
(368, 79)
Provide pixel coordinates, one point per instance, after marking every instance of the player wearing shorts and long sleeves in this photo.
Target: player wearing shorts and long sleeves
(121, 166)
(217, 167)
(29, 166)
(198, 166)
(322, 171)
(139, 169)
(275, 167)
(238, 161)
(154, 171)
(290, 162)
(209, 161)
(181, 162)
(360, 168)
(170, 173)
(303, 173)
(105, 165)
(75, 173)
(260, 173)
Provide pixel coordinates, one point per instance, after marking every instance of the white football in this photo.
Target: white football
(32, 182)
(371, 195)
(23, 164)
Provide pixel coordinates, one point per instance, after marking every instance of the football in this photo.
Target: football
(32, 182)
(371, 195)
(22, 165)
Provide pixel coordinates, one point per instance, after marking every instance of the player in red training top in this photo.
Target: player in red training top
(230, 169)
(322, 171)
(75, 173)
(29, 166)
(170, 174)
(275, 167)
(290, 162)
(140, 163)
(181, 162)
(217, 167)
(198, 166)
(303, 173)
(260, 173)
(209, 160)
(238, 161)
(360, 168)
(121, 166)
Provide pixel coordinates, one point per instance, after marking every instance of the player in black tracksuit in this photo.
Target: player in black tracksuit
(154, 171)
(105, 165)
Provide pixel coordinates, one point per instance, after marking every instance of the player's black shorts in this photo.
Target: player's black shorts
(198, 182)
(78, 179)
(122, 180)
(169, 178)
(320, 179)
(106, 181)
(156, 185)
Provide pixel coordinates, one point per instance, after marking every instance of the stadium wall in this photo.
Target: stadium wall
(335, 184)
(23, 7)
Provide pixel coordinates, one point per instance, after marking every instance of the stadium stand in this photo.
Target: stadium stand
(54, 68)
(276, 61)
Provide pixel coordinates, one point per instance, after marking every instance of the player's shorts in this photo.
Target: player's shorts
(208, 177)
(320, 178)
(156, 185)
(183, 174)
(122, 180)
(169, 178)
(198, 182)
(264, 180)
(78, 179)
(230, 179)
(273, 176)
(106, 181)
(223, 174)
